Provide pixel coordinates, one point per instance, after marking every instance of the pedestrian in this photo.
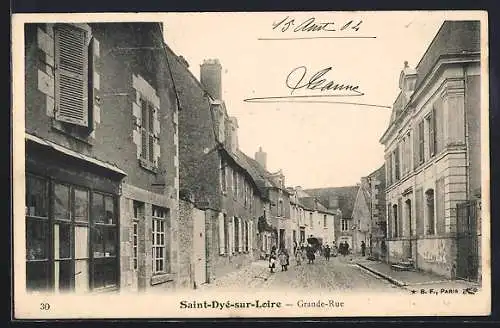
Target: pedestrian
(310, 254)
(327, 253)
(283, 259)
(299, 256)
(346, 248)
(334, 249)
(272, 259)
(363, 248)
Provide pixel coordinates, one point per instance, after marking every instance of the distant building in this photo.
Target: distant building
(361, 217)
(339, 200)
(378, 225)
(432, 152)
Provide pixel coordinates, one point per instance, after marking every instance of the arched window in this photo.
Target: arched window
(395, 227)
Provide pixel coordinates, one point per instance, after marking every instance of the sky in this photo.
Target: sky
(314, 144)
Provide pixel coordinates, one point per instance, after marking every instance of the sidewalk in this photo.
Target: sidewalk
(412, 279)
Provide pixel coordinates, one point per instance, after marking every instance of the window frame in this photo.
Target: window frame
(159, 246)
(148, 156)
(50, 188)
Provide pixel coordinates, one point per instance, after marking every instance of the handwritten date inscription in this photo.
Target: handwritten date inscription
(312, 25)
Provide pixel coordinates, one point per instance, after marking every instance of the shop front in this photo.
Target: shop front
(72, 220)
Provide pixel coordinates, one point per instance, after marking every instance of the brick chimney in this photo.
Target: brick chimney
(211, 77)
(261, 157)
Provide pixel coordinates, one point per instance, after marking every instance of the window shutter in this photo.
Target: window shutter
(240, 235)
(144, 143)
(416, 147)
(222, 242)
(231, 235)
(71, 75)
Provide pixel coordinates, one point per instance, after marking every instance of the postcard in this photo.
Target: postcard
(251, 164)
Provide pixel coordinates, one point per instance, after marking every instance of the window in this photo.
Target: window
(147, 131)
(395, 217)
(280, 208)
(222, 233)
(226, 235)
(246, 236)
(37, 234)
(60, 235)
(236, 234)
(223, 176)
(420, 142)
(138, 215)
(245, 196)
(344, 225)
(310, 219)
(396, 163)
(429, 196)
(159, 252)
(419, 206)
(389, 169)
(104, 240)
(324, 221)
(431, 123)
(71, 74)
(235, 183)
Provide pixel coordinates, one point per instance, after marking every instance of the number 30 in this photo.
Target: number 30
(44, 306)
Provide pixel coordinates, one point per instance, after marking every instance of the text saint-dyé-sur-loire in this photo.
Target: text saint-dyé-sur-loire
(229, 304)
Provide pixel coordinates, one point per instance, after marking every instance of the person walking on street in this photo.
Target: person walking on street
(310, 254)
(363, 248)
(327, 252)
(272, 259)
(283, 258)
(346, 248)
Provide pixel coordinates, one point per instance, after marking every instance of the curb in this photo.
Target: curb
(384, 276)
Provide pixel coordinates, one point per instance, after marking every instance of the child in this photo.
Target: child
(272, 259)
(283, 258)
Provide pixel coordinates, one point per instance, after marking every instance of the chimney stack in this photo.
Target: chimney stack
(211, 77)
(261, 157)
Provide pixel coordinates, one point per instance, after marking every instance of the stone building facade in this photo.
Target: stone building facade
(378, 225)
(215, 178)
(432, 150)
(101, 158)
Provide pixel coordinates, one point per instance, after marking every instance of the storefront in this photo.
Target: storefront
(72, 220)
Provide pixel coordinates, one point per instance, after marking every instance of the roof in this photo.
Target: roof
(454, 38)
(346, 197)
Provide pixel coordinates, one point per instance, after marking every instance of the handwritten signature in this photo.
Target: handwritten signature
(311, 25)
(295, 81)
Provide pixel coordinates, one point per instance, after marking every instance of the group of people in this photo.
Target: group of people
(301, 252)
(282, 257)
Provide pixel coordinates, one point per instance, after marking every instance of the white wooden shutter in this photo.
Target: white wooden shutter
(222, 242)
(71, 75)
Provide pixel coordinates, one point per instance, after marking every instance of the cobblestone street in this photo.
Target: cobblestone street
(338, 274)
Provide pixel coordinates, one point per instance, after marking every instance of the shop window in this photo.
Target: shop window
(58, 247)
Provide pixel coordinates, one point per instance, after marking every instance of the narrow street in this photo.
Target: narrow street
(338, 274)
